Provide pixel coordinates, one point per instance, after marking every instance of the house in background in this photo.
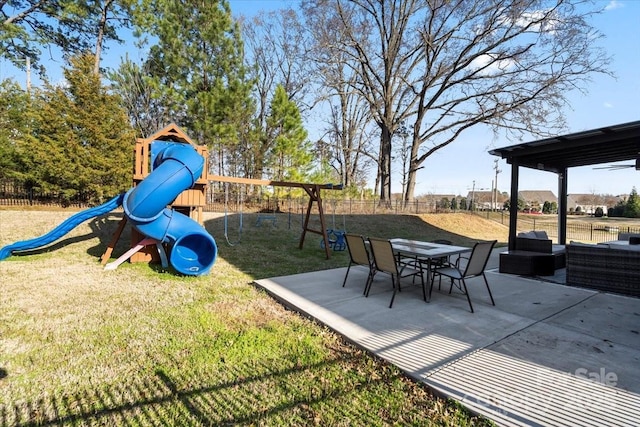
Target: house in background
(534, 200)
(434, 201)
(487, 200)
(588, 203)
(585, 203)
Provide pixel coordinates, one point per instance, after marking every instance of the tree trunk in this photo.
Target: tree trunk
(411, 184)
(385, 164)
(414, 165)
(101, 30)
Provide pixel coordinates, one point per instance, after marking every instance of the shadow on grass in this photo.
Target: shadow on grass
(272, 248)
(102, 227)
(182, 399)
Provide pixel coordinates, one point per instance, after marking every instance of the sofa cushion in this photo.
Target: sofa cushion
(541, 234)
(626, 236)
(533, 245)
(528, 234)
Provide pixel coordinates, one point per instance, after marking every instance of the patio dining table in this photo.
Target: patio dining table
(426, 252)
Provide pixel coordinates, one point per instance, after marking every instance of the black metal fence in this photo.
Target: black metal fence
(330, 206)
(32, 197)
(593, 231)
(578, 228)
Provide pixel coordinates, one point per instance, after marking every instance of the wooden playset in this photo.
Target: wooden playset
(190, 202)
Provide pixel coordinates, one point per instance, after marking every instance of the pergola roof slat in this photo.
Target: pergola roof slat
(596, 146)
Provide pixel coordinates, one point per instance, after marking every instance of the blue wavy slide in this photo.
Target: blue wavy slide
(177, 167)
(62, 229)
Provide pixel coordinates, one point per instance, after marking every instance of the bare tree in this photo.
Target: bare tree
(349, 120)
(276, 51)
(348, 139)
(371, 44)
(448, 65)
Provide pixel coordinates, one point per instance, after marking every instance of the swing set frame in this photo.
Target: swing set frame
(312, 190)
(226, 216)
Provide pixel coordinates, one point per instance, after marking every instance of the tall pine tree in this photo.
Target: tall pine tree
(198, 72)
(84, 144)
(16, 123)
(289, 155)
(632, 207)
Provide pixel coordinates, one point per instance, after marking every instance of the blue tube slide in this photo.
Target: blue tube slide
(176, 168)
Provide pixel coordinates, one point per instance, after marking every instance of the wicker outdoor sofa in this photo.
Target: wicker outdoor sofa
(534, 255)
(608, 269)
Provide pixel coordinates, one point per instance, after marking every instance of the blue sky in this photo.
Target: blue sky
(454, 169)
(608, 101)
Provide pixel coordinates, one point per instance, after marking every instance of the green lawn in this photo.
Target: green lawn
(141, 346)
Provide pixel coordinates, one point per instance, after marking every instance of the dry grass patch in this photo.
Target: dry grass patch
(469, 226)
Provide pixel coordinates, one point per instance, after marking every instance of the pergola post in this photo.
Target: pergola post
(562, 207)
(513, 206)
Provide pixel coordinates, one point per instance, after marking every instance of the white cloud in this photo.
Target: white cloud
(608, 105)
(613, 4)
(490, 64)
(537, 21)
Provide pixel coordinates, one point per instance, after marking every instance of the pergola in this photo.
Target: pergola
(602, 145)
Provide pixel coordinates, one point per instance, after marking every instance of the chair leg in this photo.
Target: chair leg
(368, 284)
(373, 275)
(346, 275)
(367, 287)
(394, 290)
(489, 289)
(466, 291)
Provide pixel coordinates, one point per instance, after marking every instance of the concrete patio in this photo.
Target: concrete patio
(545, 355)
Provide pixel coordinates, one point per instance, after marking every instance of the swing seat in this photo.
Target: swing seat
(340, 243)
(331, 237)
(261, 218)
(337, 240)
